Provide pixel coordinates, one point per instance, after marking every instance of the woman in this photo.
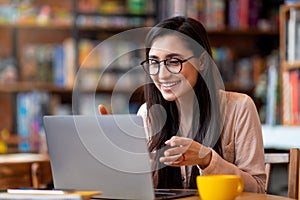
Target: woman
(194, 126)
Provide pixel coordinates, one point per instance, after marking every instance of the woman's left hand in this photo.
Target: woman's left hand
(186, 151)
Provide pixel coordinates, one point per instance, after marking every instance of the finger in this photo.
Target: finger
(170, 159)
(168, 163)
(179, 160)
(168, 142)
(177, 141)
(102, 110)
(175, 151)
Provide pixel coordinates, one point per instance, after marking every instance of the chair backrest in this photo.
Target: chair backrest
(41, 174)
(25, 174)
(290, 158)
(14, 175)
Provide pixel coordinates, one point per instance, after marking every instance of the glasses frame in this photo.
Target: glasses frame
(165, 64)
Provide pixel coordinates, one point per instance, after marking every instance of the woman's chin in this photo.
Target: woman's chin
(169, 97)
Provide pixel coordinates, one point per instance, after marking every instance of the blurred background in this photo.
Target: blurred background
(43, 44)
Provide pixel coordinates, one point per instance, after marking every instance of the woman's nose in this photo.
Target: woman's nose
(163, 71)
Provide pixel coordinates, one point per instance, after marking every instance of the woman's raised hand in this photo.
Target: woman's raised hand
(102, 110)
(186, 151)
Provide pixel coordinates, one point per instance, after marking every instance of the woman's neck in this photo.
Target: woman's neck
(185, 106)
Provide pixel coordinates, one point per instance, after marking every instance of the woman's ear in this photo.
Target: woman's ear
(203, 61)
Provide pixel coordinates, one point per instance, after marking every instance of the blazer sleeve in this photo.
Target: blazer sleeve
(245, 147)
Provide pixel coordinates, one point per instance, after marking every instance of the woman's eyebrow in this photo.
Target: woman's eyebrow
(153, 56)
(167, 56)
(173, 55)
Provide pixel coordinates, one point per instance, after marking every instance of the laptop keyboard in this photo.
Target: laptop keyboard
(173, 193)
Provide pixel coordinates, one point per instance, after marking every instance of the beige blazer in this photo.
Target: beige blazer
(242, 143)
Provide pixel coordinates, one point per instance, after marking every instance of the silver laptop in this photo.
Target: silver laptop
(102, 153)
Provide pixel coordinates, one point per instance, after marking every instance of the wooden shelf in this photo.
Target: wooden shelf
(246, 32)
(288, 66)
(31, 86)
(20, 26)
(105, 29)
(287, 7)
(35, 26)
(129, 15)
(289, 99)
(49, 87)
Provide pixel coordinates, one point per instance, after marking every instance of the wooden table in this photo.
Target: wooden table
(23, 158)
(247, 196)
(24, 170)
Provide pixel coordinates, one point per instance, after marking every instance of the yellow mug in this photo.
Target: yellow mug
(219, 187)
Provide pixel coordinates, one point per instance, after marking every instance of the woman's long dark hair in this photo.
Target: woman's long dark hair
(170, 177)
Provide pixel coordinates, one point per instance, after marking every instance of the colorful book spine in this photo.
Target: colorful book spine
(233, 15)
(286, 99)
(291, 96)
(58, 66)
(272, 95)
(31, 107)
(294, 80)
(244, 14)
(23, 121)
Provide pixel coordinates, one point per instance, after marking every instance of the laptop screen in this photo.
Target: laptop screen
(103, 153)
(106, 153)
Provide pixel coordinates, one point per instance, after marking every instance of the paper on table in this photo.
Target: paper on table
(40, 196)
(76, 195)
(34, 191)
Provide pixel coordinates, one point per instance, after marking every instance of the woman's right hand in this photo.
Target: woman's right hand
(102, 110)
(186, 151)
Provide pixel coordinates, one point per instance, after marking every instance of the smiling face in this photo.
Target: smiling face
(173, 86)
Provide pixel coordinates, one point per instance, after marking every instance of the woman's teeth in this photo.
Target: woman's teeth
(170, 84)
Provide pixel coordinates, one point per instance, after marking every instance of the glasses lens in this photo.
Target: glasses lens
(174, 65)
(151, 66)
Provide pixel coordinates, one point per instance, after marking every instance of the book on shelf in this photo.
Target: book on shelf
(272, 92)
(254, 12)
(294, 81)
(36, 62)
(210, 13)
(272, 116)
(49, 63)
(69, 62)
(243, 14)
(31, 107)
(297, 42)
(233, 14)
(286, 106)
(58, 66)
(23, 123)
(290, 95)
(215, 14)
(293, 36)
(64, 69)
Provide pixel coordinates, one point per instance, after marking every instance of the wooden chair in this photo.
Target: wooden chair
(290, 158)
(14, 175)
(24, 170)
(41, 174)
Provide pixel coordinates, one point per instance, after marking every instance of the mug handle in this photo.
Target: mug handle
(240, 186)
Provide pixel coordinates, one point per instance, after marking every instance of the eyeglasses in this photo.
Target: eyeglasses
(173, 65)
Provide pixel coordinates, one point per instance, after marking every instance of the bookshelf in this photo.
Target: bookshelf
(244, 36)
(290, 63)
(79, 23)
(31, 32)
